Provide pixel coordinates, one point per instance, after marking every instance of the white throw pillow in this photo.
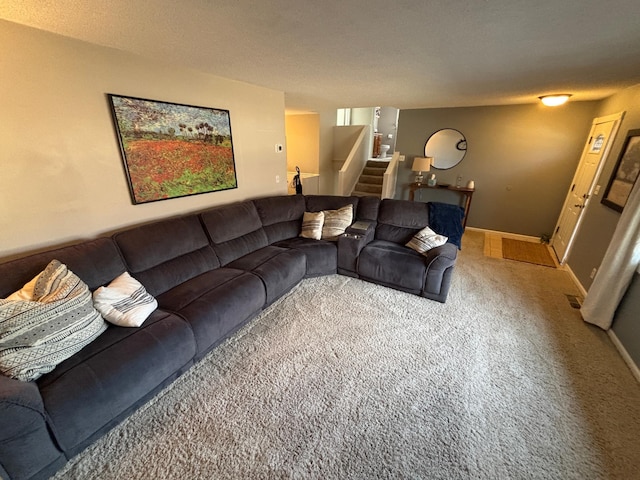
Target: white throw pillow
(425, 240)
(47, 321)
(312, 223)
(124, 302)
(336, 222)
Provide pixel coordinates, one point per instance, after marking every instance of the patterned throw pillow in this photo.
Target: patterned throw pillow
(46, 322)
(425, 240)
(312, 225)
(124, 302)
(336, 222)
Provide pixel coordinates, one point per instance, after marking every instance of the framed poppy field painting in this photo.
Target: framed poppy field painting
(171, 150)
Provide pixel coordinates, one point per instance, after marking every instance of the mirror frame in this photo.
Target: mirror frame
(455, 153)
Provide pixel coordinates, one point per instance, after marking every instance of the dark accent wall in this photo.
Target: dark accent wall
(599, 223)
(521, 157)
(627, 325)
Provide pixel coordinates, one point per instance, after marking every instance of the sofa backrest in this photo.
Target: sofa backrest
(399, 220)
(235, 230)
(368, 209)
(95, 262)
(317, 203)
(163, 254)
(281, 217)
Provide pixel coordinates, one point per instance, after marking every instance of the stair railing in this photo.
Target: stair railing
(390, 177)
(352, 167)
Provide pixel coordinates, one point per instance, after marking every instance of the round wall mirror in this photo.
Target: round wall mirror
(447, 148)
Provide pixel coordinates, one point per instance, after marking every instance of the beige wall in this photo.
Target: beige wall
(328, 175)
(303, 142)
(62, 177)
(365, 116)
(521, 157)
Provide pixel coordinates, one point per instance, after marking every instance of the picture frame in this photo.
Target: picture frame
(625, 173)
(170, 150)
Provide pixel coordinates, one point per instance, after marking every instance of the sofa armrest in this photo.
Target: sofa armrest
(26, 446)
(362, 228)
(440, 262)
(349, 247)
(442, 257)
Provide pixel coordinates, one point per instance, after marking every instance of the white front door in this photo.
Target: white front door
(603, 130)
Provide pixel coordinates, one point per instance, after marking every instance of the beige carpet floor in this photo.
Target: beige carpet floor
(343, 379)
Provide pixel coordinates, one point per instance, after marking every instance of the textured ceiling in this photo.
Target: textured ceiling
(350, 53)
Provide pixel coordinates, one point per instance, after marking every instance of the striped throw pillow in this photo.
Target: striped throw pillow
(46, 322)
(336, 222)
(312, 225)
(124, 302)
(425, 240)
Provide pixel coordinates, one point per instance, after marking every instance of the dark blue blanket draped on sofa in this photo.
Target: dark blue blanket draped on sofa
(446, 219)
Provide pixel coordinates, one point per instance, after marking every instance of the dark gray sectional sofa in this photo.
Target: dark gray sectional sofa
(211, 272)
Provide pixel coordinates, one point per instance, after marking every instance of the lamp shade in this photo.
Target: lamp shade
(422, 164)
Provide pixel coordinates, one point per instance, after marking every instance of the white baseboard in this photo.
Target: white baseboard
(529, 238)
(514, 236)
(579, 286)
(625, 355)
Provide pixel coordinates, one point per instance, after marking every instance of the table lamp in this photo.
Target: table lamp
(421, 164)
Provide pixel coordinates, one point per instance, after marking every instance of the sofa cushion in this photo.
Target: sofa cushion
(281, 216)
(94, 389)
(321, 255)
(166, 253)
(215, 304)
(28, 450)
(280, 269)
(47, 321)
(124, 302)
(235, 230)
(312, 223)
(393, 265)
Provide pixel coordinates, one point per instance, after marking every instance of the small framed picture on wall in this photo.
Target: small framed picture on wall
(625, 173)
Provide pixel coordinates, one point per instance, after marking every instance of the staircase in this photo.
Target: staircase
(370, 181)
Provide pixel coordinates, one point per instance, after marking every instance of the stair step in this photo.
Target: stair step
(365, 187)
(373, 179)
(356, 193)
(373, 171)
(377, 164)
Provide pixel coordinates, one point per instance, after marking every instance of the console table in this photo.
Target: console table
(466, 192)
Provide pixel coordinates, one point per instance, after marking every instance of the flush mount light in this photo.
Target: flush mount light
(554, 100)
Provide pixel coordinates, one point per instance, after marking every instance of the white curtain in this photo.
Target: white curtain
(620, 262)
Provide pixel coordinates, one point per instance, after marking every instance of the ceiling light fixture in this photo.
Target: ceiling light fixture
(554, 100)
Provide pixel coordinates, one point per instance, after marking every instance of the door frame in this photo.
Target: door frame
(617, 118)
